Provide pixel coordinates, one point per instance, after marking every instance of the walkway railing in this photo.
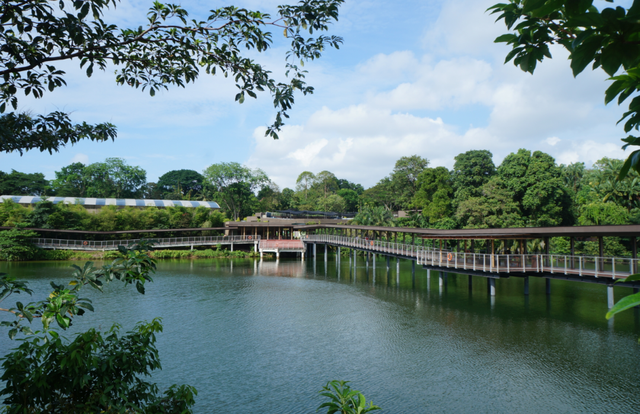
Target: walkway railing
(594, 266)
(159, 242)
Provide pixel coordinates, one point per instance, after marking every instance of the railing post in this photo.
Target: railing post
(565, 265)
(508, 265)
(613, 267)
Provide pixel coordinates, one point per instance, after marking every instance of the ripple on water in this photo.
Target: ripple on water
(267, 343)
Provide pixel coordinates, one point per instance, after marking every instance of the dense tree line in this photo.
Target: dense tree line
(527, 189)
(47, 215)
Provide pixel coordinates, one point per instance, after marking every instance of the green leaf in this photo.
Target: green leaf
(613, 90)
(632, 278)
(584, 53)
(633, 161)
(623, 304)
(531, 5)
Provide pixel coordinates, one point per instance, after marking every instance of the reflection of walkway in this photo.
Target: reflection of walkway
(61, 244)
(498, 264)
(276, 268)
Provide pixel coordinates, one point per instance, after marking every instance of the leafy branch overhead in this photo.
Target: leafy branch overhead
(608, 39)
(170, 49)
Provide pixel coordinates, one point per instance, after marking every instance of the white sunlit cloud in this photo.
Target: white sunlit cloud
(446, 93)
(81, 158)
(415, 103)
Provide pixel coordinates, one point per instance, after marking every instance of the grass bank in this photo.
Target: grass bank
(157, 254)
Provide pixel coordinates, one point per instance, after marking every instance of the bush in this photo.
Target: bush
(15, 244)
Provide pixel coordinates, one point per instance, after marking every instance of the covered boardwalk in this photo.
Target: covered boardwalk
(97, 203)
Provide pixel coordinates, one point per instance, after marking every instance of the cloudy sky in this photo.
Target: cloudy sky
(412, 77)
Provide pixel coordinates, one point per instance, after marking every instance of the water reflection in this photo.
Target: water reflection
(268, 334)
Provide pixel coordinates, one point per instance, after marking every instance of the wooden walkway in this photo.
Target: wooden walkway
(496, 264)
(62, 244)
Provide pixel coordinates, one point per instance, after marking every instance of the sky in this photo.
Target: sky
(412, 77)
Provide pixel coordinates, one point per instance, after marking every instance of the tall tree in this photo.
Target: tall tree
(435, 194)
(114, 178)
(536, 184)
(187, 183)
(346, 184)
(18, 183)
(70, 181)
(382, 194)
(404, 178)
(326, 182)
(233, 186)
(305, 181)
(168, 50)
(607, 187)
(471, 171)
(351, 199)
(493, 208)
(605, 38)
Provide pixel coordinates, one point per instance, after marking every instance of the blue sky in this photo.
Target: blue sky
(412, 77)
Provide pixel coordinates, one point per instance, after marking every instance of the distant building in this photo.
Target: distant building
(98, 203)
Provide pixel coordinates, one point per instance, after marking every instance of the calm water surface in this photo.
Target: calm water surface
(264, 337)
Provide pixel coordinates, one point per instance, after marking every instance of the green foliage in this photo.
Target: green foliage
(348, 185)
(374, 216)
(17, 183)
(15, 245)
(559, 245)
(23, 132)
(598, 214)
(176, 184)
(70, 181)
(344, 400)
(435, 193)
(202, 254)
(95, 372)
(628, 302)
(605, 38)
(612, 247)
(382, 194)
(351, 200)
(471, 171)
(233, 186)
(536, 186)
(404, 179)
(111, 178)
(495, 208)
(606, 187)
(168, 50)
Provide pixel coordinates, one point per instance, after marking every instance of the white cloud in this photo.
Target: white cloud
(358, 143)
(552, 141)
(80, 157)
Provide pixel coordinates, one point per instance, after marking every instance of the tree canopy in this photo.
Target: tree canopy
(180, 183)
(233, 186)
(607, 39)
(111, 178)
(169, 49)
(18, 183)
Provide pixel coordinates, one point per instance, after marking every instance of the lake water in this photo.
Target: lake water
(265, 337)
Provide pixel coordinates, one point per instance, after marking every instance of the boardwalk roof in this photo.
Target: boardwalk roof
(120, 202)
